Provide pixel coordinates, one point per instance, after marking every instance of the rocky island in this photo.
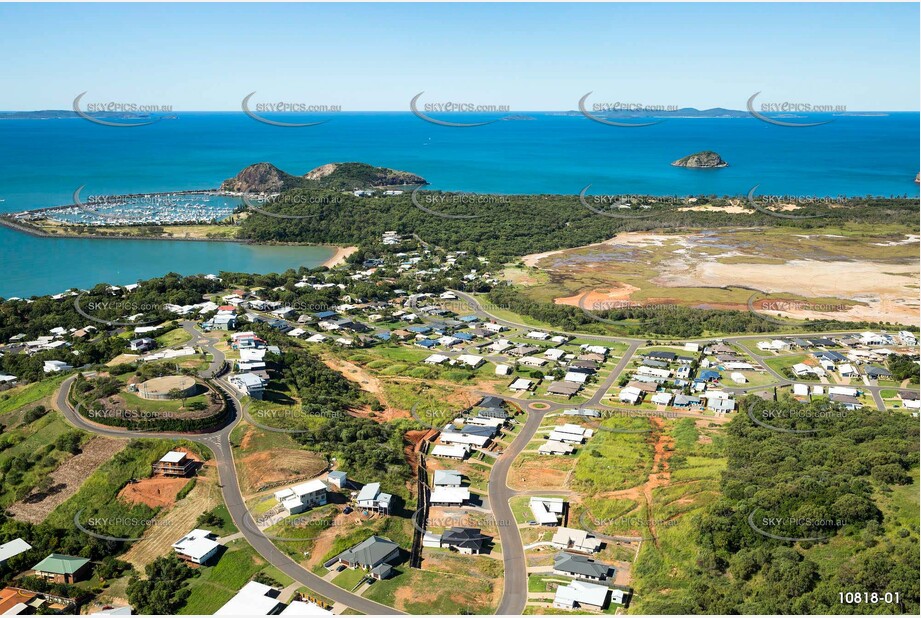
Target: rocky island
(705, 159)
(266, 178)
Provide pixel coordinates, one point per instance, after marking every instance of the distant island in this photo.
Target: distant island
(684, 112)
(57, 114)
(705, 159)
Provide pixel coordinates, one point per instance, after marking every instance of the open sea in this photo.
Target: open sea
(42, 162)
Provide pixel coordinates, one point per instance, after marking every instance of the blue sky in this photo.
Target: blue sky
(527, 56)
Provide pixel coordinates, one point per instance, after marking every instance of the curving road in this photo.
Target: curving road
(219, 444)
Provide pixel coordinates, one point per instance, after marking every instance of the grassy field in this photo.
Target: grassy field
(218, 583)
(175, 337)
(612, 460)
(33, 442)
(27, 394)
(427, 592)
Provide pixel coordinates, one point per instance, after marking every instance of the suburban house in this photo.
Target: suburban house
(16, 601)
(470, 360)
(552, 447)
(580, 567)
(338, 479)
(447, 478)
(13, 548)
(248, 384)
(54, 366)
(630, 394)
(451, 436)
(174, 463)
(253, 599)
(375, 555)
(581, 595)
(455, 451)
(521, 384)
(61, 569)
(142, 345)
(301, 497)
(575, 540)
(449, 496)
(547, 511)
(463, 540)
(371, 498)
(198, 546)
(574, 434)
(564, 388)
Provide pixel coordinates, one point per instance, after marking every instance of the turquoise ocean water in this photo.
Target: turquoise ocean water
(42, 162)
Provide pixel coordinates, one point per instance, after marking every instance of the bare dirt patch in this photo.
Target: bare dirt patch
(173, 522)
(606, 298)
(155, 492)
(66, 480)
(277, 466)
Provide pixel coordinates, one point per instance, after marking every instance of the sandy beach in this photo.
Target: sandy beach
(339, 256)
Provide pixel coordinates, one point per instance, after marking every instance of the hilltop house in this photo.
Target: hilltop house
(174, 463)
(581, 595)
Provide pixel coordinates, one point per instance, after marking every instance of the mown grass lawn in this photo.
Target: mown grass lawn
(217, 584)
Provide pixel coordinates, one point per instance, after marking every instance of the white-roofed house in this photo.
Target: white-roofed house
(253, 599)
(197, 546)
(470, 360)
(575, 540)
(371, 497)
(579, 594)
(454, 451)
(547, 511)
(449, 496)
(301, 497)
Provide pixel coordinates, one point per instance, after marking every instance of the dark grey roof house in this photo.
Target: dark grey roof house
(581, 567)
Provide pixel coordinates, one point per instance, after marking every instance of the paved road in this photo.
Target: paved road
(219, 443)
(515, 593)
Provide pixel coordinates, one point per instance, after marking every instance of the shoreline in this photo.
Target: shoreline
(340, 256)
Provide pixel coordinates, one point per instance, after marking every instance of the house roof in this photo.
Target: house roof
(580, 565)
(581, 592)
(60, 564)
(253, 599)
(447, 477)
(370, 552)
(469, 538)
(13, 548)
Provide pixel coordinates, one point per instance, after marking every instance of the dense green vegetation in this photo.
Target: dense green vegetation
(904, 367)
(164, 591)
(514, 225)
(834, 483)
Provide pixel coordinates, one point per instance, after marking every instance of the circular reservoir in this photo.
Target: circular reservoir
(160, 388)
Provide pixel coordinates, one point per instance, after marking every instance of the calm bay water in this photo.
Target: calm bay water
(42, 162)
